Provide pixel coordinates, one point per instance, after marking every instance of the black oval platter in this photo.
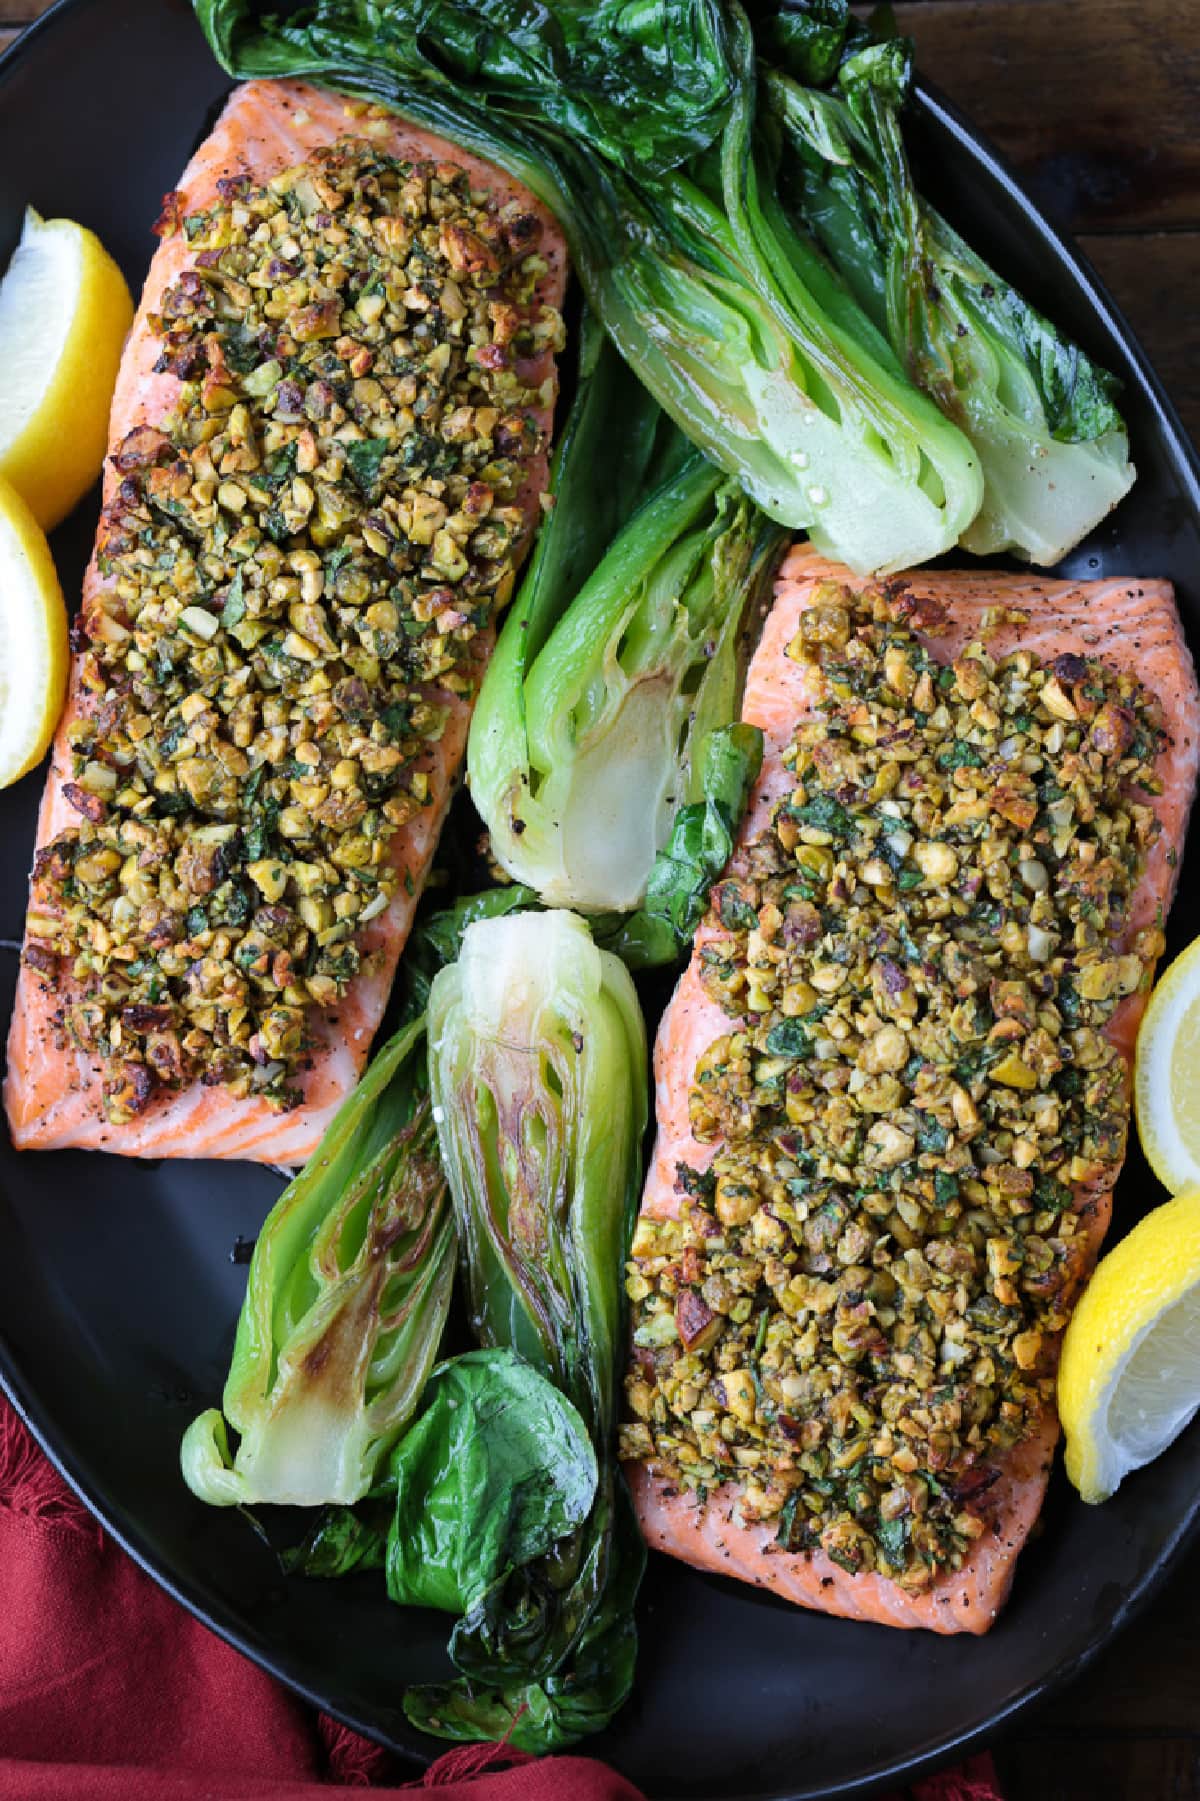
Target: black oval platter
(117, 1290)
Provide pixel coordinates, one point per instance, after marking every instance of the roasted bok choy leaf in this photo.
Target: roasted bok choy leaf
(621, 653)
(1040, 415)
(539, 1076)
(740, 331)
(437, 938)
(726, 314)
(495, 1469)
(537, 1060)
(346, 1299)
(702, 838)
(662, 929)
(646, 85)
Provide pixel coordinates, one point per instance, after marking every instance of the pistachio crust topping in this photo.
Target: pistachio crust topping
(301, 566)
(857, 1309)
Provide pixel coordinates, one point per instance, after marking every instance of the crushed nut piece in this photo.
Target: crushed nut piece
(919, 957)
(264, 670)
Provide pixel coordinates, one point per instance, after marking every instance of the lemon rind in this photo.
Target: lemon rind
(1132, 1292)
(41, 627)
(51, 466)
(1164, 1145)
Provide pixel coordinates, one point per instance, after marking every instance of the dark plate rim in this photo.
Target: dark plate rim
(1065, 260)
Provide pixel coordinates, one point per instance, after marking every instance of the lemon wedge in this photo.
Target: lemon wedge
(1129, 1380)
(33, 639)
(64, 313)
(1166, 1075)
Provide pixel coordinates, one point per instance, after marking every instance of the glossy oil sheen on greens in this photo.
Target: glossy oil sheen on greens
(346, 1298)
(1041, 416)
(495, 1471)
(621, 655)
(539, 1074)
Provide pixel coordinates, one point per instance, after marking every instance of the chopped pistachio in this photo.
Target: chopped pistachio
(266, 666)
(919, 955)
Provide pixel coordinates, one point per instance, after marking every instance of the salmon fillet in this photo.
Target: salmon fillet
(1130, 624)
(52, 1089)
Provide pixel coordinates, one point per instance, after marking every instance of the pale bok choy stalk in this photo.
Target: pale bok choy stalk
(437, 939)
(663, 928)
(705, 293)
(580, 823)
(642, 666)
(346, 1299)
(539, 1075)
(621, 653)
(888, 483)
(659, 932)
(1040, 414)
(711, 298)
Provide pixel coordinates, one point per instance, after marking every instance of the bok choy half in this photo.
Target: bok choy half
(1040, 415)
(621, 654)
(539, 1075)
(347, 1296)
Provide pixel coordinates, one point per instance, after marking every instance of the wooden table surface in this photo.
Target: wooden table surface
(1096, 104)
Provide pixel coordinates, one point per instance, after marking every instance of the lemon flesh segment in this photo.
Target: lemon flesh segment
(1129, 1379)
(1166, 1081)
(33, 640)
(64, 314)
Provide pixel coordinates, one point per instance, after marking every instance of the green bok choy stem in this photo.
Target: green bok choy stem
(621, 653)
(1040, 415)
(347, 1295)
(539, 1074)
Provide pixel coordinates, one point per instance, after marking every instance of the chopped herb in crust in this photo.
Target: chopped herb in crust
(301, 561)
(857, 1311)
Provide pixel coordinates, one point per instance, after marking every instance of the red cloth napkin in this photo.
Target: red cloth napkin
(110, 1692)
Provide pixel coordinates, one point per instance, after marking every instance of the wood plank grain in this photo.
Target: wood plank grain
(1093, 103)
(1147, 1683)
(1153, 278)
(1100, 1767)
